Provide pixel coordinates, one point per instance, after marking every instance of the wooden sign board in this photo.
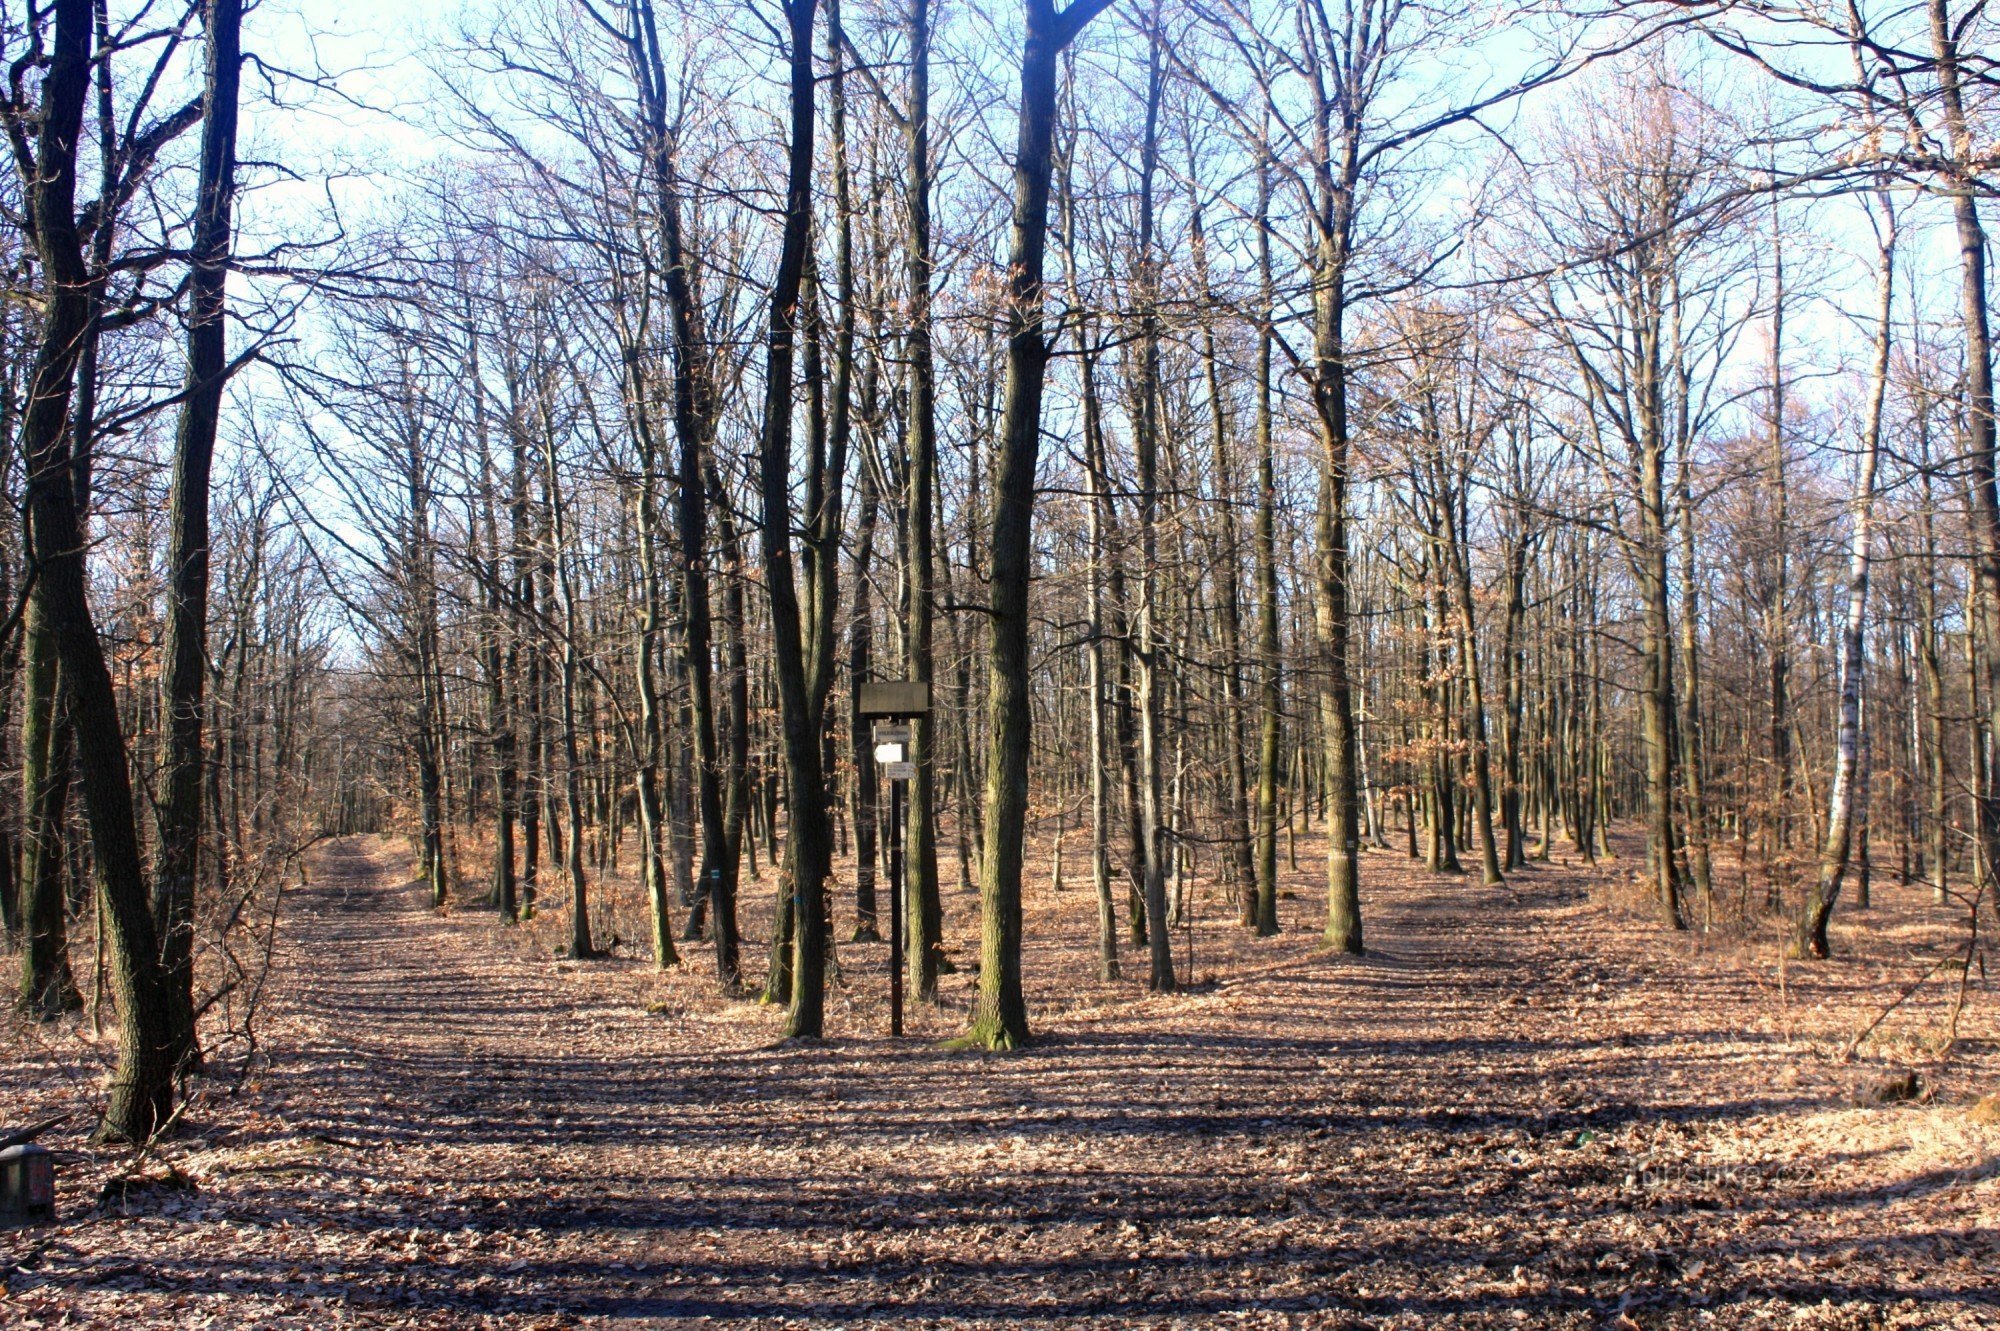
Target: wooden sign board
(895, 697)
(900, 771)
(27, 1186)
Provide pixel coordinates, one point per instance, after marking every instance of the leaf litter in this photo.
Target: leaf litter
(1525, 1107)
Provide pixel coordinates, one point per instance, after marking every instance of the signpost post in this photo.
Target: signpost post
(896, 908)
(893, 699)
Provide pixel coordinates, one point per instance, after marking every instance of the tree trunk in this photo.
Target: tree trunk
(922, 909)
(1513, 682)
(1454, 519)
(1777, 629)
(1000, 1012)
(581, 945)
(860, 665)
(141, 1096)
(1100, 796)
(694, 412)
(1810, 938)
(186, 647)
(1693, 734)
(1930, 657)
(1337, 172)
(47, 987)
(1270, 699)
(1098, 680)
(652, 726)
(1979, 423)
(1145, 443)
(1235, 735)
(809, 849)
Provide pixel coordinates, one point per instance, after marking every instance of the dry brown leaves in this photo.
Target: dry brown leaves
(1524, 1108)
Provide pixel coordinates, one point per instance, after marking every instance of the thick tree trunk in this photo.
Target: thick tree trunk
(1656, 693)
(922, 910)
(809, 844)
(47, 986)
(141, 1096)
(1000, 1012)
(1979, 419)
(179, 856)
(694, 418)
(1337, 171)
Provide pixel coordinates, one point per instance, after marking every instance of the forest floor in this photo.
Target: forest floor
(1524, 1107)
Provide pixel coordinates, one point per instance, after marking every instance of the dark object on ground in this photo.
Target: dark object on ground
(27, 1185)
(1896, 1088)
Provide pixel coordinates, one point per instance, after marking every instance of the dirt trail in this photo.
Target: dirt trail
(1516, 1111)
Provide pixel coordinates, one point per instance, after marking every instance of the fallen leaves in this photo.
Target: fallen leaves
(1531, 1114)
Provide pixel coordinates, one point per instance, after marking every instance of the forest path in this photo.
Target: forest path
(1508, 1114)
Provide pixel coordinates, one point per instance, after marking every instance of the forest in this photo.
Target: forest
(1439, 568)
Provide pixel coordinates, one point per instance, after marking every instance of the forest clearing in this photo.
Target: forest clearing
(1523, 1107)
(954, 662)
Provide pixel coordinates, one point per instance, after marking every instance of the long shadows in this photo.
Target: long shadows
(1455, 1131)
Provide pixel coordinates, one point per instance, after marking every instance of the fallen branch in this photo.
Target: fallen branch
(1847, 1056)
(22, 1136)
(1964, 973)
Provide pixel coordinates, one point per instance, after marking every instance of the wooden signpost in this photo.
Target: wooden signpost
(894, 701)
